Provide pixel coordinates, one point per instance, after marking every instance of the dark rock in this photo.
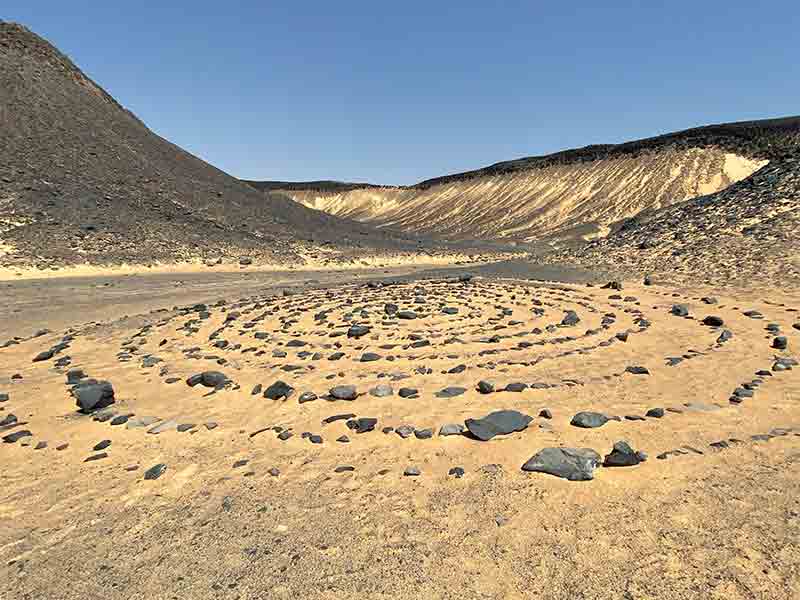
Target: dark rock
(516, 387)
(485, 387)
(95, 457)
(423, 434)
(408, 392)
(307, 397)
(363, 424)
(457, 472)
(101, 445)
(412, 472)
(155, 471)
(713, 321)
(680, 310)
(780, 342)
(278, 390)
(12, 438)
(93, 396)
(637, 370)
(589, 420)
(726, 335)
(405, 431)
(451, 429)
(622, 455)
(209, 379)
(450, 392)
(334, 418)
(573, 464)
(655, 412)
(500, 422)
(344, 392)
(570, 318)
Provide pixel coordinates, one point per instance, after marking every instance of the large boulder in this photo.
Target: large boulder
(278, 390)
(574, 464)
(93, 395)
(499, 422)
(622, 455)
(210, 379)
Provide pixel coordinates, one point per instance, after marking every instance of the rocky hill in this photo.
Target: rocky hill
(578, 193)
(746, 233)
(82, 180)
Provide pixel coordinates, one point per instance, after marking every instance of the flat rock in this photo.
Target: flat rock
(155, 471)
(344, 392)
(500, 422)
(589, 420)
(573, 464)
(451, 429)
(450, 392)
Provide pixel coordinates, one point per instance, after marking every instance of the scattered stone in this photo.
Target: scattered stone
(451, 429)
(307, 397)
(12, 438)
(637, 370)
(485, 387)
(622, 455)
(450, 392)
(713, 321)
(573, 464)
(589, 420)
(500, 422)
(155, 471)
(279, 390)
(412, 472)
(343, 392)
(680, 310)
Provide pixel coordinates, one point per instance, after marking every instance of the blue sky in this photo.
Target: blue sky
(399, 92)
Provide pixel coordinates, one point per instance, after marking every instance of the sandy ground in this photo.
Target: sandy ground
(704, 522)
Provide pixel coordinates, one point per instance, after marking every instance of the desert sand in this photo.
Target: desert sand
(462, 388)
(250, 506)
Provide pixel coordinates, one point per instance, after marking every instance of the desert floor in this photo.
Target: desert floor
(250, 507)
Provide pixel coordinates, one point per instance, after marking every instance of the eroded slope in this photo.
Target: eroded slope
(573, 199)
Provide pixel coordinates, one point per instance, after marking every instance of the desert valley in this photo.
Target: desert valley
(562, 376)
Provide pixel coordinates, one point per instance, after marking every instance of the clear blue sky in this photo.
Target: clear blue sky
(396, 92)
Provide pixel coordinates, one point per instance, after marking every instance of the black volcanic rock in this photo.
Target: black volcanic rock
(500, 422)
